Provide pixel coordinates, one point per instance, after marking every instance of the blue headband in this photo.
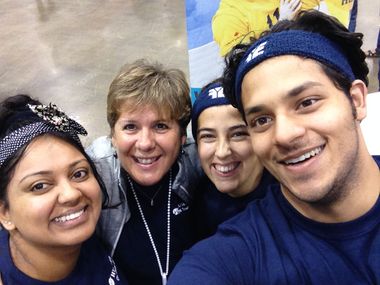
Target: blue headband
(210, 97)
(292, 42)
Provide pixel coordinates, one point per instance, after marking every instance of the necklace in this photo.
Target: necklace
(151, 198)
(163, 274)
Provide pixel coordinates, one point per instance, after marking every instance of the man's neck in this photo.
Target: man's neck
(359, 197)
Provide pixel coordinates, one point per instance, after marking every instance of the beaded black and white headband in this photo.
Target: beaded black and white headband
(53, 121)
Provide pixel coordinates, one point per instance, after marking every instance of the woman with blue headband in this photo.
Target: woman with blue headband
(50, 200)
(235, 176)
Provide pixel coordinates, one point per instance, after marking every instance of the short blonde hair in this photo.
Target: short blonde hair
(142, 83)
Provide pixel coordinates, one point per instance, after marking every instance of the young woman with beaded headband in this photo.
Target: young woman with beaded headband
(50, 199)
(147, 166)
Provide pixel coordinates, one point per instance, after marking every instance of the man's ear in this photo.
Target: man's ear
(358, 92)
(5, 218)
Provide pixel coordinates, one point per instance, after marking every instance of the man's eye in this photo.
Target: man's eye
(308, 102)
(262, 121)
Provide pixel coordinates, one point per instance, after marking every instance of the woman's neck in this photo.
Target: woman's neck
(45, 263)
(163, 181)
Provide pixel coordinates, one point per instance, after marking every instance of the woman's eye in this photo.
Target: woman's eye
(129, 127)
(206, 137)
(39, 187)
(161, 126)
(240, 134)
(80, 174)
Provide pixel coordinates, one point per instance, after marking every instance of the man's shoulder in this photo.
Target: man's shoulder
(240, 238)
(258, 213)
(377, 159)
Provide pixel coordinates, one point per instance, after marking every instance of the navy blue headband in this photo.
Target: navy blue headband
(45, 120)
(211, 96)
(292, 42)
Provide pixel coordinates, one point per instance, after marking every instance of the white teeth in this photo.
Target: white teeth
(69, 217)
(146, 160)
(305, 156)
(225, 168)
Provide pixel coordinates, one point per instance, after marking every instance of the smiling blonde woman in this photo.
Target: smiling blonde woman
(149, 171)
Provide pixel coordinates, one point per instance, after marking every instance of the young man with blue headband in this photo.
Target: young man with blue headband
(302, 89)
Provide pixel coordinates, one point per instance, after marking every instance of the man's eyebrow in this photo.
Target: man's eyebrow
(299, 89)
(291, 93)
(253, 110)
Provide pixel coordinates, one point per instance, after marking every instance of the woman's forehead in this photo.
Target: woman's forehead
(132, 109)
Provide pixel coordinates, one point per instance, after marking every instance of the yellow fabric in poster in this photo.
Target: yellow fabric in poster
(340, 9)
(237, 21)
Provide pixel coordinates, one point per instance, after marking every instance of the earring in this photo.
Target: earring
(182, 150)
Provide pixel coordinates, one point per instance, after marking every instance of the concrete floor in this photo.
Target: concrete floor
(69, 51)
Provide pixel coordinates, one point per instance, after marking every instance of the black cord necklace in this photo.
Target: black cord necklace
(151, 198)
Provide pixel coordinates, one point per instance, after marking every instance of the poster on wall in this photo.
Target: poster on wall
(215, 26)
(205, 63)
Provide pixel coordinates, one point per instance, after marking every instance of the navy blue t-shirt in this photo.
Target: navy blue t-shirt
(134, 254)
(94, 267)
(214, 207)
(272, 243)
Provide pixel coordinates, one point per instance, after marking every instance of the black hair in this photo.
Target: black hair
(15, 114)
(312, 21)
(216, 80)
